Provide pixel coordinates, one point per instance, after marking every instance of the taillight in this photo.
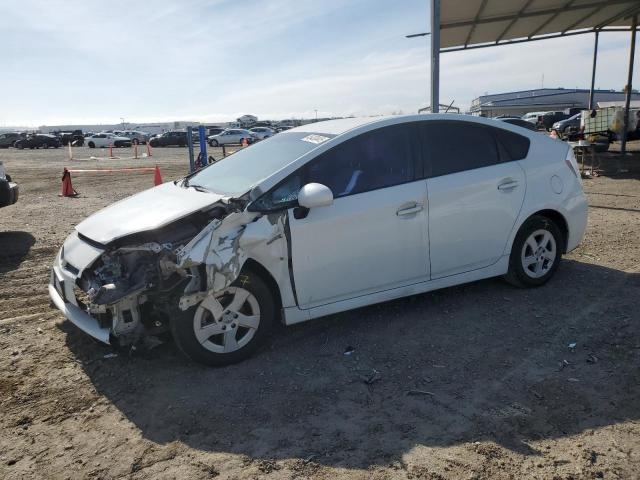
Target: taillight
(572, 163)
(571, 167)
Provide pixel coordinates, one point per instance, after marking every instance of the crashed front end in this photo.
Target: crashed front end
(124, 290)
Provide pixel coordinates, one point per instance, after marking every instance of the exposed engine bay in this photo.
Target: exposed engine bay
(136, 285)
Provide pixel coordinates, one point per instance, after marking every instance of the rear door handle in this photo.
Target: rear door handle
(507, 185)
(409, 210)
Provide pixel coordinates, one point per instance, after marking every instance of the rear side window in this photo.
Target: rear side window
(515, 146)
(453, 146)
(450, 147)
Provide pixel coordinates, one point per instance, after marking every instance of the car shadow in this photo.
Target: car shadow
(14, 247)
(483, 361)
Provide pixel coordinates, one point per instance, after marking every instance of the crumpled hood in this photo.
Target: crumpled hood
(144, 211)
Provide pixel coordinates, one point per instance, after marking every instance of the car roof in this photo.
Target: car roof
(339, 126)
(344, 125)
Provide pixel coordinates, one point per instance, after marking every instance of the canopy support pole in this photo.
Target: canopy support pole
(435, 56)
(593, 71)
(627, 100)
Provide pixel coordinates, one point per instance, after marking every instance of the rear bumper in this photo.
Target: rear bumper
(9, 193)
(576, 215)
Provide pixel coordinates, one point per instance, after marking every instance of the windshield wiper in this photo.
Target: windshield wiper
(199, 188)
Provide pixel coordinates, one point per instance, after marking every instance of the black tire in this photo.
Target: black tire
(153, 144)
(45, 145)
(516, 274)
(182, 326)
(21, 147)
(135, 141)
(213, 143)
(91, 145)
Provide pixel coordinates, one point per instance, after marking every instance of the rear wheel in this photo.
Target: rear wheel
(213, 143)
(228, 326)
(536, 252)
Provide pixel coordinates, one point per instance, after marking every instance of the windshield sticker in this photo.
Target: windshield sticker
(317, 139)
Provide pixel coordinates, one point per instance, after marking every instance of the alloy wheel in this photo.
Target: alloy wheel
(227, 321)
(539, 253)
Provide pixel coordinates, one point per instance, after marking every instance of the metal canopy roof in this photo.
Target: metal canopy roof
(481, 23)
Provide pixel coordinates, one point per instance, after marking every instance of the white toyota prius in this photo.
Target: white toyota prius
(320, 219)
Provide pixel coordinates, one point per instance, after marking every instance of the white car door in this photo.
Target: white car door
(101, 140)
(234, 136)
(476, 191)
(374, 236)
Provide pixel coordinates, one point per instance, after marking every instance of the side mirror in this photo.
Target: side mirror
(314, 195)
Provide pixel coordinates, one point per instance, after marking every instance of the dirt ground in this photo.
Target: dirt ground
(472, 382)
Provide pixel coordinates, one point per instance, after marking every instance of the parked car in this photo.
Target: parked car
(232, 136)
(547, 119)
(171, 138)
(215, 131)
(323, 218)
(262, 132)
(7, 139)
(76, 137)
(104, 139)
(518, 121)
(533, 117)
(8, 190)
(38, 140)
(135, 136)
(565, 126)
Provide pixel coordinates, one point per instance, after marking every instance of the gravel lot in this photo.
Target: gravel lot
(474, 382)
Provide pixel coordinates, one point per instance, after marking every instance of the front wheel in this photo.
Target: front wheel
(536, 253)
(228, 326)
(213, 143)
(91, 145)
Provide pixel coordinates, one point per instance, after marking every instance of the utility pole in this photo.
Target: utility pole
(435, 56)
(627, 100)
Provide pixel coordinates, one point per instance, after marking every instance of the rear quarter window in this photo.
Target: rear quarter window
(514, 146)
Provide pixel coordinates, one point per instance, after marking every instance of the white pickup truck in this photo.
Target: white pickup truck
(8, 190)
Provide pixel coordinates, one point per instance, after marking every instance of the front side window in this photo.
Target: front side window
(378, 159)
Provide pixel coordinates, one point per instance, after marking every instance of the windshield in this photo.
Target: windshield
(237, 173)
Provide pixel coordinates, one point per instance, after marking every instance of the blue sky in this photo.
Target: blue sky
(69, 61)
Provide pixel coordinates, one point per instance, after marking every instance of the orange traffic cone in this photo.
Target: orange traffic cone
(67, 188)
(157, 178)
(245, 142)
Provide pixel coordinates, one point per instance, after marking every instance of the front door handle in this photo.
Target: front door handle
(410, 210)
(508, 184)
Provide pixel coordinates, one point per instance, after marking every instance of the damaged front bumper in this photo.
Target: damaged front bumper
(64, 276)
(64, 300)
